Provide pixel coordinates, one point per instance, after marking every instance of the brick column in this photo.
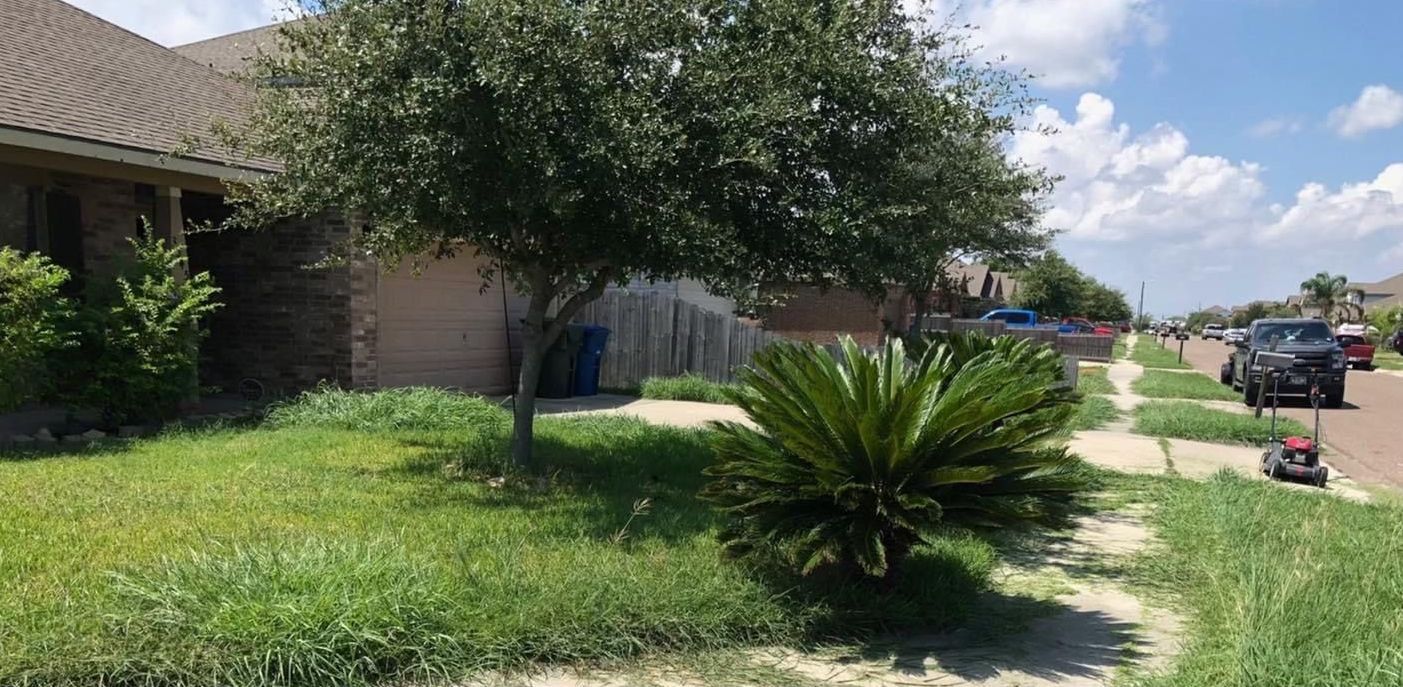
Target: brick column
(169, 223)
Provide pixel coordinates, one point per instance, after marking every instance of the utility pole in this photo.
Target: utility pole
(1140, 315)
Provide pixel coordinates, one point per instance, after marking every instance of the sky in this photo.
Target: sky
(1219, 151)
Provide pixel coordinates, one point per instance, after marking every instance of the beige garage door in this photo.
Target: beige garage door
(438, 329)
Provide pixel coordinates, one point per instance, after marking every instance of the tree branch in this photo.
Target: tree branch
(569, 308)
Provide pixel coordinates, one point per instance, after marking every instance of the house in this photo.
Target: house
(90, 115)
(810, 313)
(1216, 311)
(1385, 293)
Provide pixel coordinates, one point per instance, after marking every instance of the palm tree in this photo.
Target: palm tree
(1328, 292)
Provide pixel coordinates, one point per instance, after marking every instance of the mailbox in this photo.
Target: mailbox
(1181, 337)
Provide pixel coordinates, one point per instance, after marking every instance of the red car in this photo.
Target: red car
(1085, 326)
(1359, 354)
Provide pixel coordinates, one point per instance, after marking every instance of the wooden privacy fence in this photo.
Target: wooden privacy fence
(660, 335)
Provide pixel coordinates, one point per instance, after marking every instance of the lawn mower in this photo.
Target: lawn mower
(1295, 457)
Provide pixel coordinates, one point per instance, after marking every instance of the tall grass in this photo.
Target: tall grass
(1148, 353)
(688, 387)
(1282, 588)
(409, 408)
(306, 553)
(1161, 384)
(1094, 413)
(1093, 380)
(1188, 420)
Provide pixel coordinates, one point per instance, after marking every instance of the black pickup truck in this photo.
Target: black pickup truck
(1315, 349)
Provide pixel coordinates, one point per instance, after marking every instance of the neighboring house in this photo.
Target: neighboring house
(1297, 302)
(689, 290)
(1217, 311)
(89, 116)
(813, 314)
(1385, 293)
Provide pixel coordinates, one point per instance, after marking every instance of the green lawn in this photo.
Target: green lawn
(1387, 360)
(685, 388)
(1119, 347)
(1094, 413)
(1148, 353)
(1161, 384)
(1279, 587)
(1188, 420)
(1092, 380)
(309, 553)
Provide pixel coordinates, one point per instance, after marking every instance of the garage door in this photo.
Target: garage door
(440, 329)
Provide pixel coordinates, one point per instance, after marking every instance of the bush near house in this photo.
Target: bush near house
(32, 316)
(131, 349)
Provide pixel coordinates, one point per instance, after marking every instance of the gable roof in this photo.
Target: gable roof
(230, 54)
(70, 74)
(976, 278)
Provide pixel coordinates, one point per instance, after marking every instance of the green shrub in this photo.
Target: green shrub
(857, 460)
(688, 387)
(33, 318)
(139, 337)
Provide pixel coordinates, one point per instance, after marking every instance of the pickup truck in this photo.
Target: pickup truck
(1359, 353)
(1015, 318)
(1314, 347)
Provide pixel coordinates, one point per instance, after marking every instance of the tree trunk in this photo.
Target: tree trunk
(533, 348)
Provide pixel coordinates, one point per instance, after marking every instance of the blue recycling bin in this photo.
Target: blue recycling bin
(587, 363)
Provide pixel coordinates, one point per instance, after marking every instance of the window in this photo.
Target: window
(18, 228)
(1313, 331)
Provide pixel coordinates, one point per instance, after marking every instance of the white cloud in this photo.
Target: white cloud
(1119, 186)
(1276, 126)
(1354, 211)
(1065, 43)
(173, 22)
(1377, 107)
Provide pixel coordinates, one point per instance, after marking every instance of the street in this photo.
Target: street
(1362, 435)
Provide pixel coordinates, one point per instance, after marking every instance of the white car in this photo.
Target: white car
(1213, 331)
(1234, 336)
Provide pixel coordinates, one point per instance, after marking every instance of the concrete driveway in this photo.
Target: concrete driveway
(1365, 431)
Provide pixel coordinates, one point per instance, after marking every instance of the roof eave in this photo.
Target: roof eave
(64, 145)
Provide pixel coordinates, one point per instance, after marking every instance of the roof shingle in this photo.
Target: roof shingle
(68, 73)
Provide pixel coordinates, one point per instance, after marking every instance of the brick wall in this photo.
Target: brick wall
(813, 314)
(285, 322)
(111, 212)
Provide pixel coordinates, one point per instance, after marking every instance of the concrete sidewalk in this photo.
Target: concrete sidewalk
(674, 413)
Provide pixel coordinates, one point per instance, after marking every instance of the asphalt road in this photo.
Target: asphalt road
(1365, 436)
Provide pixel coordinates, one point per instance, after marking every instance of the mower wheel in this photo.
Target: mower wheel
(1322, 476)
(1274, 471)
(1225, 374)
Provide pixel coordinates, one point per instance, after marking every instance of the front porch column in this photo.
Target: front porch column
(169, 224)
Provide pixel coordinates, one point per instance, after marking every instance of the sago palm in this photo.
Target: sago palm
(858, 457)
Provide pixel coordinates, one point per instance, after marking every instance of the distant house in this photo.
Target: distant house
(1217, 311)
(1385, 293)
(813, 314)
(689, 290)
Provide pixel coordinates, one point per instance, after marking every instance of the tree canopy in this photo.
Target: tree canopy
(1054, 287)
(578, 144)
(1329, 293)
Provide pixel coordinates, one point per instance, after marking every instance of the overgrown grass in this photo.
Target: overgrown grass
(410, 408)
(1161, 384)
(1119, 347)
(1092, 380)
(1281, 587)
(1148, 353)
(1387, 360)
(1095, 412)
(687, 387)
(306, 553)
(1188, 420)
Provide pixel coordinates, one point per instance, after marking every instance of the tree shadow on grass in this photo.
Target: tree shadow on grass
(598, 469)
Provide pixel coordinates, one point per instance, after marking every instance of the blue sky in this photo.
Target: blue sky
(1222, 150)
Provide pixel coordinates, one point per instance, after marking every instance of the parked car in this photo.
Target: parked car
(1213, 331)
(1359, 353)
(1314, 347)
(1396, 342)
(1234, 335)
(1012, 317)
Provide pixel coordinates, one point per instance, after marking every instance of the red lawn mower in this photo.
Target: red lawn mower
(1296, 458)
